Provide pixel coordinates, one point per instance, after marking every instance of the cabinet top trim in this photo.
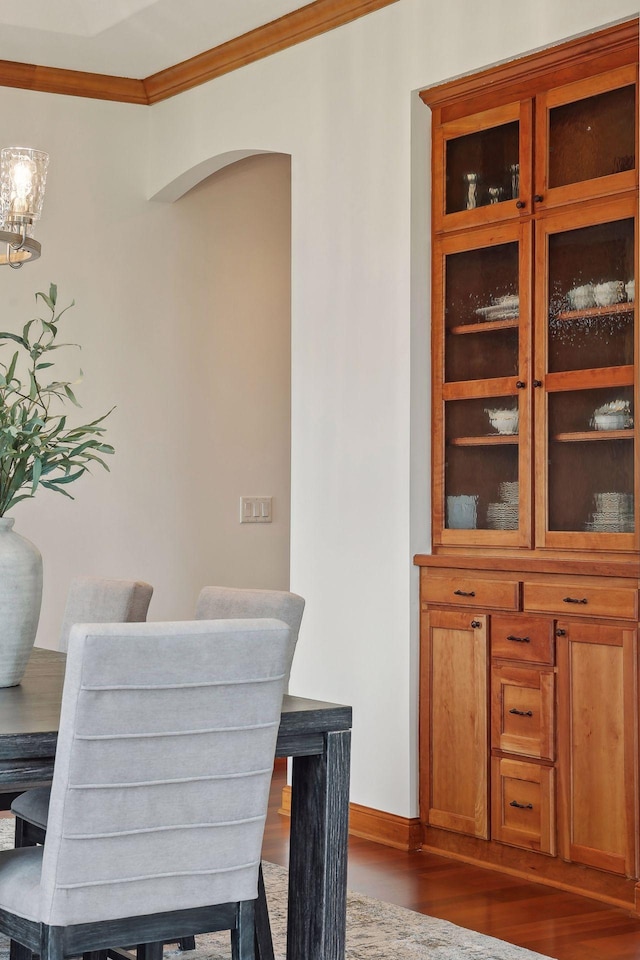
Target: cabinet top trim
(595, 567)
(553, 66)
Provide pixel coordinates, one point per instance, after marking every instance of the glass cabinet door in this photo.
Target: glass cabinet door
(586, 140)
(587, 439)
(482, 443)
(485, 170)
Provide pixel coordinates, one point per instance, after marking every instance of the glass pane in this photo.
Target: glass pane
(481, 313)
(592, 138)
(591, 294)
(591, 486)
(578, 412)
(482, 168)
(481, 470)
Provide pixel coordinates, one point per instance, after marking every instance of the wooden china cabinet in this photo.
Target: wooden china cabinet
(529, 712)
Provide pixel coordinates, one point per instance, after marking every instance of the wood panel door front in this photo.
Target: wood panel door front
(596, 737)
(455, 729)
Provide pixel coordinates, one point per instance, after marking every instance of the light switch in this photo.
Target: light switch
(255, 509)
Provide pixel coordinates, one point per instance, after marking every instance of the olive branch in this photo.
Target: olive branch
(37, 448)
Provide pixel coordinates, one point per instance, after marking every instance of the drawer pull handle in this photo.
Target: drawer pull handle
(521, 713)
(475, 624)
(574, 600)
(464, 593)
(519, 639)
(521, 806)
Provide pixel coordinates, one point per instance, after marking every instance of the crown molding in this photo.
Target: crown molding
(303, 24)
(309, 21)
(74, 83)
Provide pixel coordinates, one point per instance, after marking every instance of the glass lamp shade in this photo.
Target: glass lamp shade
(23, 175)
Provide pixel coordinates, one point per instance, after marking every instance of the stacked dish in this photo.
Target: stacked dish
(503, 515)
(503, 308)
(613, 513)
(615, 415)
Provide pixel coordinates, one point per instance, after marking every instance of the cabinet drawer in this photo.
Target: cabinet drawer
(618, 603)
(522, 719)
(472, 592)
(523, 804)
(528, 639)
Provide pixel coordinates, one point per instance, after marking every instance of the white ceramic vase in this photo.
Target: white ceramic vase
(20, 599)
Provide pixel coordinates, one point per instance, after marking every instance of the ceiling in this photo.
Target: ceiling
(127, 38)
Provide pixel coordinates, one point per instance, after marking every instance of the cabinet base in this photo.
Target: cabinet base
(538, 868)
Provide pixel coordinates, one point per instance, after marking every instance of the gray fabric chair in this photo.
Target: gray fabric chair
(230, 603)
(160, 789)
(89, 600)
(98, 600)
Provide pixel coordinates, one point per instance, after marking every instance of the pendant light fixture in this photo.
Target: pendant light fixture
(23, 175)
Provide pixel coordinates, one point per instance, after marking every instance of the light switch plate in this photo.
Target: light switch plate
(255, 509)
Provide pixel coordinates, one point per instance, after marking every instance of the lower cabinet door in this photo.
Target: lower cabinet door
(597, 779)
(522, 804)
(454, 737)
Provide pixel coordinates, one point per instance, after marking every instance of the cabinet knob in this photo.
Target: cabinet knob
(560, 632)
(475, 624)
(538, 198)
(520, 204)
(520, 384)
(537, 383)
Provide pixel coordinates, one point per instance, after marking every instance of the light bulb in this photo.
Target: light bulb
(22, 174)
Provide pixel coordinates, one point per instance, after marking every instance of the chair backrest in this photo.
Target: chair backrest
(96, 600)
(231, 603)
(163, 765)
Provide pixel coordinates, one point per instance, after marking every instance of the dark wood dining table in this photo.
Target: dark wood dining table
(317, 735)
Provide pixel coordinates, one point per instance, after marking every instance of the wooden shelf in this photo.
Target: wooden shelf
(586, 436)
(611, 310)
(488, 441)
(486, 326)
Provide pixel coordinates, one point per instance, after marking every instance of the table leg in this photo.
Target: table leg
(318, 852)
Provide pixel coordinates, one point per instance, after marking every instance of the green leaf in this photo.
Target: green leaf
(12, 367)
(69, 392)
(14, 336)
(67, 479)
(49, 485)
(37, 470)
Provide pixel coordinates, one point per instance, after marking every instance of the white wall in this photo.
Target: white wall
(344, 107)
(196, 362)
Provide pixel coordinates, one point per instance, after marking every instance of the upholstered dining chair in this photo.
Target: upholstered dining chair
(99, 600)
(231, 603)
(89, 600)
(215, 603)
(160, 789)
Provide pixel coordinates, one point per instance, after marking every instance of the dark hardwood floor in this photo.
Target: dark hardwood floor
(553, 923)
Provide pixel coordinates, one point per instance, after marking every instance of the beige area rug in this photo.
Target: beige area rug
(375, 930)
